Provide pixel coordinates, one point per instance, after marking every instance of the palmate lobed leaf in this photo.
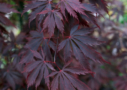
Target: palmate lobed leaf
(37, 6)
(89, 10)
(90, 18)
(47, 44)
(54, 19)
(51, 17)
(63, 80)
(27, 57)
(79, 43)
(37, 40)
(13, 77)
(72, 6)
(37, 70)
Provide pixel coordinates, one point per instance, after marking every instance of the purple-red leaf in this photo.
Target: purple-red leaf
(67, 81)
(37, 38)
(38, 6)
(80, 44)
(37, 70)
(53, 19)
(72, 6)
(13, 77)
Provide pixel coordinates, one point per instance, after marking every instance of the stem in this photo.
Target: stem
(57, 66)
(56, 47)
(54, 63)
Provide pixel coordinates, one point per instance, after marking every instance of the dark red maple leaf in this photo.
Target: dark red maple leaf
(46, 45)
(80, 44)
(35, 41)
(72, 6)
(13, 77)
(90, 18)
(37, 70)
(27, 57)
(37, 6)
(54, 18)
(90, 9)
(50, 16)
(63, 80)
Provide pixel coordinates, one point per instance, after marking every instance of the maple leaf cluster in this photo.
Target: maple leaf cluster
(62, 37)
(51, 18)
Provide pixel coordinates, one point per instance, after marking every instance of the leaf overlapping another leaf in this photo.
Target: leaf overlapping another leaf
(80, 44)
(63, 80)
(54, 18)
(72, 6)
(37, 70)
(13, 77)
(38, 6)
(35, 41)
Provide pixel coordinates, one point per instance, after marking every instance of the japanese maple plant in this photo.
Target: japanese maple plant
(58, 50)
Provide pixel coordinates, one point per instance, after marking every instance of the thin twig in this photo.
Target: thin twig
(53, 63)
